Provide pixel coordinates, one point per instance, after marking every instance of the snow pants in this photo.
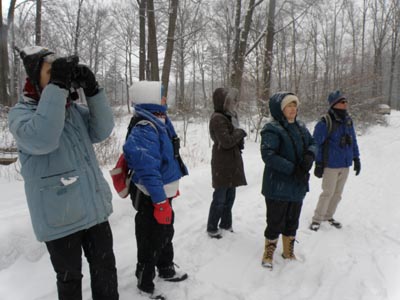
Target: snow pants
(154, 244)
(282, 218)
(66, 257)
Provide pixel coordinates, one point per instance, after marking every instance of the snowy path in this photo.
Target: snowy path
(360, 261)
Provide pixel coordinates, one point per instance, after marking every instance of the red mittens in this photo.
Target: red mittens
(163, 212)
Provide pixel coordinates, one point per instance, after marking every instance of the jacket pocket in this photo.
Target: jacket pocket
(62, 201)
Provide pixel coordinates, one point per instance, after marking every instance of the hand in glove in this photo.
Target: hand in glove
(83, 77)
(318, 170)
(307, 162)
(163, 212)
(357, 165)
(301, 174)
(241, 144)
(61, 71)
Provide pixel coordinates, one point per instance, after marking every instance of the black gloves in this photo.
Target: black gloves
(61, 71)
(241, 144)
(308, 159)
(357, 165)
(318, 170)
(300, 174)
(83, 77)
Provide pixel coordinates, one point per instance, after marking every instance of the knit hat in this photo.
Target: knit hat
(289, 98)
(33, 57)
(146, 92)
(335, 97)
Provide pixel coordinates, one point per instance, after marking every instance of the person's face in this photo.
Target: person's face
(342, 104)
(290, 111)
(45, 75)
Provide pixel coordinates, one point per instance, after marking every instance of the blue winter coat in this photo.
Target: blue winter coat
(150, 154)
(64, 186)
(281, 156)
(339, 155)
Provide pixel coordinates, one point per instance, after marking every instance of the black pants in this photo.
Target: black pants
(282, 218)
(66, 257)
(154, 244)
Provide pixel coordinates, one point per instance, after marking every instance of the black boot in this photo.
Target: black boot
(145, 275)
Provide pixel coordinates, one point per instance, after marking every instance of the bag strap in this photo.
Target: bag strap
(325, 146)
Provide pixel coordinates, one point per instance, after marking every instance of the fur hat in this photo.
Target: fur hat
(146, 92)
(335, 97)
(33, 57)
(289, 98)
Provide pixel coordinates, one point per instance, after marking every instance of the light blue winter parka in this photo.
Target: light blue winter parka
(64, 186)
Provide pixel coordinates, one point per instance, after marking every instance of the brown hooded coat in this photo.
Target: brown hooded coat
(226, 161)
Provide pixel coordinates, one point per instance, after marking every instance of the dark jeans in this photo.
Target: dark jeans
(66, 257)
(221, 209)
(154, 244)
(282, 218)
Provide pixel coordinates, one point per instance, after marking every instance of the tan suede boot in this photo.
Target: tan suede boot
(288, 247)
(270, 246)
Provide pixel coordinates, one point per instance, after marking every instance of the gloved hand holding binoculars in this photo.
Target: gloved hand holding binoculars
(66, 72)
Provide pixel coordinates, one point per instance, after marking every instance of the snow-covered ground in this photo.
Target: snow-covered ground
(360, 261)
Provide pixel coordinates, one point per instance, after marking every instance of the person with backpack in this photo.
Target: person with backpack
(152, 154)
(288, 151)
(337, 150)
(69, 200)
(226, 160)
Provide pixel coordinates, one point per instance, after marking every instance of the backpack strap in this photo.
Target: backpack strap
(136, 119)
(134, 191)
(325, 146)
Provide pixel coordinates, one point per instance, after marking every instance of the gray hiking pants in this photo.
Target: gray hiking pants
(333, 182)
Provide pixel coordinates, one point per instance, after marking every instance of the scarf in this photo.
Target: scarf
(30, 91)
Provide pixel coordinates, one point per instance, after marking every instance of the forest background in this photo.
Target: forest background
(309, 47)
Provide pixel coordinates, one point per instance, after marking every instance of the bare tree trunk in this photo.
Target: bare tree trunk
(315, 63)
(77, 28)
(294, 85)
(236, 42)
(395, 35)
(152, 43)
(5, 98)
(238, 61)
(268, 54)
(38, 23)
(127, 70)
(194, 81)
(170, 45)
(142, 40)
(364, 20)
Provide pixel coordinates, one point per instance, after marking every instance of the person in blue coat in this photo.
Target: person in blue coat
(288, 151)
(337, 150)
(152, 153)
(68, 198)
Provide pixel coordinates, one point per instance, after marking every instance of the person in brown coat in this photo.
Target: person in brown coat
(226, 161)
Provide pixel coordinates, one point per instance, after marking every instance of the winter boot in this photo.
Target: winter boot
(171, 274)
(145, 275)
(288, 247)
(270, 246)
(215, 234)
(335, 223)
(314, 226)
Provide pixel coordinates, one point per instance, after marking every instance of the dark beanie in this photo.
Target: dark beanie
(335, 97)
(32, 57)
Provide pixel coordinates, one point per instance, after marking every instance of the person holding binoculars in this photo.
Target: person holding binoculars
(338, 149)
(69, 200)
